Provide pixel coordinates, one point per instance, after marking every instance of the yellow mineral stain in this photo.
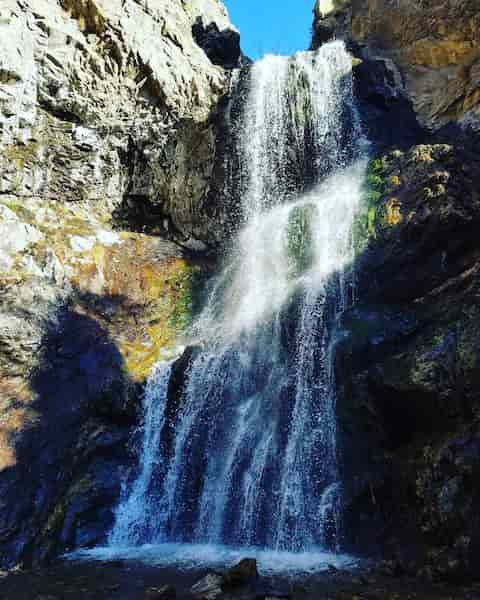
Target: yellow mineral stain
(7, 453)
(441, 53)
(393, 215)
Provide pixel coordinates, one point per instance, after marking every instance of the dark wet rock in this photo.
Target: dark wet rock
(391, 568)
(166, 592)
(367, 331)
(408, 374)
(244, 573)
(387, 114)
(178, 377)
(221, 46)
(298, 590)
(208, 588)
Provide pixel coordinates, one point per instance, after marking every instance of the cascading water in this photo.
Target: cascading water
(252, 459)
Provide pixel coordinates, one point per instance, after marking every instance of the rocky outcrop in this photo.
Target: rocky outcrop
(215, 585)
(408, 353)
(85, 314)
(115, 101)
(408, 364)
(435, 44)
(108, 113)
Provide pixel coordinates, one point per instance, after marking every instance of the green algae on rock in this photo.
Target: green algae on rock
(299, 240)
(366, 220)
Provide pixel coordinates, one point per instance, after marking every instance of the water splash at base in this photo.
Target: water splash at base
(194, 557)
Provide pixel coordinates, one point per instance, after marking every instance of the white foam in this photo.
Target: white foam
(198, 556)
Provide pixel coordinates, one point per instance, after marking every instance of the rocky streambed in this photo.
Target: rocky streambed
(132, 580)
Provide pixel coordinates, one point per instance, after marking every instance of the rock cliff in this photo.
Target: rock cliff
(408, 353)
(434, 43)
(108, 137)
(111, 101)
(408, 362)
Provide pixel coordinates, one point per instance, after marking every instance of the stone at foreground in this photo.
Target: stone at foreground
(208, 588)
(243, 573)
(166, 592)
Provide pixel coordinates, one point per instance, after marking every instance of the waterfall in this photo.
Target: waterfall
(137, 513)
(253, 457)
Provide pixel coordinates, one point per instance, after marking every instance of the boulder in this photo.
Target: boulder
(244, 573)
(208, 588)
(166, 592)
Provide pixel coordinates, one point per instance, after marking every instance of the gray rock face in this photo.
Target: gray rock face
(243, 573)
(17, 237)
(94, 98)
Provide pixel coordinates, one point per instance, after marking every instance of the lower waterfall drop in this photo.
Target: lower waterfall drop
(253, 458)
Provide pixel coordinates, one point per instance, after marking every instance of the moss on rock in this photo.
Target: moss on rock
(299, 239)
(365, 225)
(149, 289)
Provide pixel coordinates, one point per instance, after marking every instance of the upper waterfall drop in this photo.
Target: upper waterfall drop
(299, 122)
(252, 457)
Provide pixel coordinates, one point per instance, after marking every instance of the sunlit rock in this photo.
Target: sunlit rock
(436, 48)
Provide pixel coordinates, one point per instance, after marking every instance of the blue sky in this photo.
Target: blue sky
(279, 26)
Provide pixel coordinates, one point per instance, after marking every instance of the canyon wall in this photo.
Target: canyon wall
(408, 354)
(109, 112)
